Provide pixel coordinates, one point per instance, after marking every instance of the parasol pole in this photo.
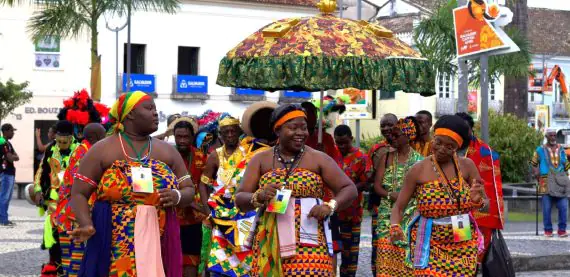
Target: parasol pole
(357, 122)
(320, 138)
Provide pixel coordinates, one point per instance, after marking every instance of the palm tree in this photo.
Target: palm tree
(435, 39)
(72, 18)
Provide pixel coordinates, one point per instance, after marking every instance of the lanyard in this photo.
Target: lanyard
(137, 153)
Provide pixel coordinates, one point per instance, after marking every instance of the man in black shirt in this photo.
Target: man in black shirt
(7, 172)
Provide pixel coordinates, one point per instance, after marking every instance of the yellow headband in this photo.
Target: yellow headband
(449, 133)
(288, 116)
(228, 121)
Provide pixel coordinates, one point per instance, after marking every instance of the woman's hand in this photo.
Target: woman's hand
(38, 133)
(81, 234)
(477, 191)
(393, 196)
(169, 197)
(320, 212)
(396, 234)
(268, 192)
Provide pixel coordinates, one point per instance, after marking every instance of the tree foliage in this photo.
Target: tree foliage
(515, 141)
(12, 95)
(435, 39)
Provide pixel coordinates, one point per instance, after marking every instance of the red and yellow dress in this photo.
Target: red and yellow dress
(310, 254)
(488, 164)
(64, 218)
(432, 230)
(135, 235)
(355, 165)
(190, 218)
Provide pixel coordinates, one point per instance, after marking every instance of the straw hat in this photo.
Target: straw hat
(188, 119)
(255, 120)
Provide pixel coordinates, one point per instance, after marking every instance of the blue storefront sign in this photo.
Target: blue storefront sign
(297, 94)
(191, 84)
(248, 91)
(143, 82)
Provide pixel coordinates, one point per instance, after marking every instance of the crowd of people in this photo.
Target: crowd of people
(216, 196)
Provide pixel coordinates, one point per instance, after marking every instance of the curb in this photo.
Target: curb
(541, 263)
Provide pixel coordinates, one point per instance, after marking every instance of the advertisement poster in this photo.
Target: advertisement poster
(472, 103)
(474, 32)
(542, 117)
(360, 106)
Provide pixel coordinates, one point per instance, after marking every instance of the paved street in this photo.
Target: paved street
(20, 254)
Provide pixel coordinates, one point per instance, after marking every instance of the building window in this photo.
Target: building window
(137, 58)
(188, 59)
(47, 53)
(443, 86)
(387, 95)
(532, 97)
(492, 91)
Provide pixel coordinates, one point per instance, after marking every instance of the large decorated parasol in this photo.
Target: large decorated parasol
(325, 52)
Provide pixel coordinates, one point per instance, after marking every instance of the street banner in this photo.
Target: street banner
(474, 33)
(542, 117)
(472, 105)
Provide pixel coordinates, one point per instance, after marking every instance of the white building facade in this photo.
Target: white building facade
(190, 42)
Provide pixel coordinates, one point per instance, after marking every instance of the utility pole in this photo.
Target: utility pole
(463, 77)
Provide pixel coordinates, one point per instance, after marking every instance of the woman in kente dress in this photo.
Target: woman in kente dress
(444, 238)
(392, 168)
(133, 229)
(292, 236)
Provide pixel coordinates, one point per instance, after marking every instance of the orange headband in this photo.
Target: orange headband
(288, 116)
(449, 133)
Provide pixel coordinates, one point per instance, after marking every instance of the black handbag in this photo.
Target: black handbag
(498, 261)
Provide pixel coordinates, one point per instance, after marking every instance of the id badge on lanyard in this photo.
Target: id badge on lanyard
(142, 179)
(461, 227)
(280, 202)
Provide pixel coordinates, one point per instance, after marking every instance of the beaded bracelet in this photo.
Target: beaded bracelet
(395, 228)
(183, 178)
(254, 201)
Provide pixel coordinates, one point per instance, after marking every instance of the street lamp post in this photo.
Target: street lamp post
(116, 30)
(129, 46)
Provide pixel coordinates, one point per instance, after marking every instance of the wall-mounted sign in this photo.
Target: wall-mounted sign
(360, 104)
(297, 94)
(49, 44)
(142, 82)
(191, 84)
(248, 91)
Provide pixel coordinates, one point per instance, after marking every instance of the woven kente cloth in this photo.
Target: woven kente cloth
(228, 254)
(71, 255)
(115, 187)
(355, 165)
(424, 148)
(446, 257)
(309, 261)
(391, 258)
(195, 163)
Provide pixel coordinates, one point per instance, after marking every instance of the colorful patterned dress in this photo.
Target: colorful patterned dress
(488, 163)
(229, 255)
(445, 257)
(190, 218)
(71, 253)
(135, 236)
(356, 166)
(375, 153)
(391, 257)
(310, 260)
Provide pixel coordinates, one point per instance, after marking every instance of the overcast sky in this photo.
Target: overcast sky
(550, 4)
